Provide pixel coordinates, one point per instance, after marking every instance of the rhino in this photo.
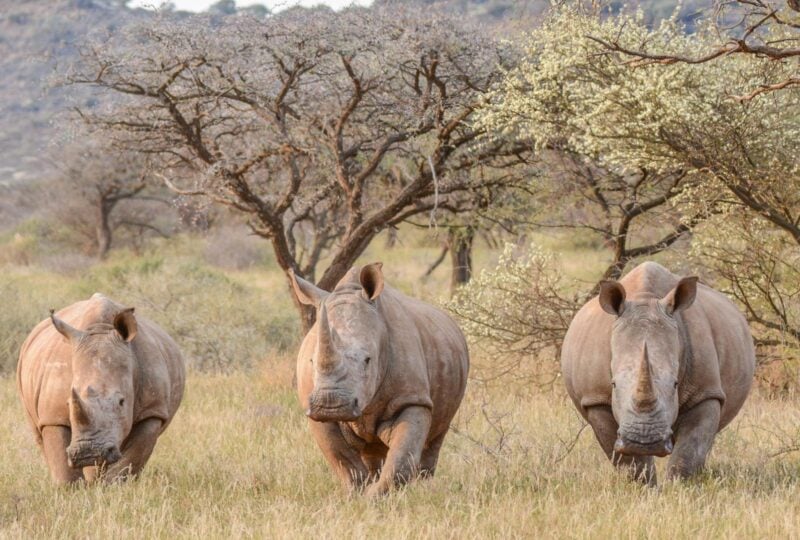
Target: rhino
(99, 386)
(380, 376)
(658, 365)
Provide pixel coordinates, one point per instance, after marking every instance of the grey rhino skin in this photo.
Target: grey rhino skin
(381, 376)
(658, 365)
(99, 386)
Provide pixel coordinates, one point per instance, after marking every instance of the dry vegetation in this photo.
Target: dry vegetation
(238, 460)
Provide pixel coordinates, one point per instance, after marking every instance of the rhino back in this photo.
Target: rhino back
(429, 359)
(723, 356)
(161, 373)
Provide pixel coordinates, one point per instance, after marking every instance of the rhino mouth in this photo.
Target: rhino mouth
(87, 455)
(630, 447)
(332, 406)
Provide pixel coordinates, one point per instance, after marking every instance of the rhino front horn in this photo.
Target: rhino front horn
(644, 396)
(79, 413)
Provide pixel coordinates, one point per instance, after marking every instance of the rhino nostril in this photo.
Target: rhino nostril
(355, 403)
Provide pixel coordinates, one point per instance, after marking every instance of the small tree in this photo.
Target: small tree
(323, 128)
(98, 194)
(518, 314)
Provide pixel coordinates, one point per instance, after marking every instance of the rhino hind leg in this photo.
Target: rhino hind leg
(55, 440)
(343, 458)
(136, 450)
(694, 434)
(640, 468)
(430, 456)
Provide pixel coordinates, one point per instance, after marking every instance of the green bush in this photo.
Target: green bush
(220, 322)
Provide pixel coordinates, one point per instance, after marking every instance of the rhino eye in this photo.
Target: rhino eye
(676, 384)
(613, 384)
(311, 360)
(367, 359)
(121, 402)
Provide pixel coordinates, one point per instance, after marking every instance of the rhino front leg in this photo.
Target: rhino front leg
(405, 436)
(55, 440)
(136, 450)
(343, 458)
(694, 434)
(641, 468)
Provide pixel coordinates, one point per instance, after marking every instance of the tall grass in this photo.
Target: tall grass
(238, 462)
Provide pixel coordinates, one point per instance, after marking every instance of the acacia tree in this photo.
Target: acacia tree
(634, 213)
(324, 128)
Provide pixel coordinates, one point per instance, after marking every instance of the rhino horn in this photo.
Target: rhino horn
(72, 334)
(79, 412)
(644, 396)
(326, 334)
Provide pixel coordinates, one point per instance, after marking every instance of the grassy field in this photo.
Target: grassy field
(238, 461)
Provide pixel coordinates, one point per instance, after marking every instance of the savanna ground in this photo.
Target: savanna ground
(238, 460)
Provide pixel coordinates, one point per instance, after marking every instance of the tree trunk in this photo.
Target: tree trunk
(103, 229)
(391, 237)
(460, 257)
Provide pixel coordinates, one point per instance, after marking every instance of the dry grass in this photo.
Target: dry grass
(238, 463)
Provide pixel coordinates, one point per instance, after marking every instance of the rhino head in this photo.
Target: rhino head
(646, 354)
(102, 394)
(351, 343)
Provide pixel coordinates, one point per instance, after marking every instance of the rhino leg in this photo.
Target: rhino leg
(694, 434)
(343, 458)
(55, 440)
(641, 468)
(374, 462)
(405, 436)
(430, 456)
(136, 450)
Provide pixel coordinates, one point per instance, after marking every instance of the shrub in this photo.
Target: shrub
(517, 314)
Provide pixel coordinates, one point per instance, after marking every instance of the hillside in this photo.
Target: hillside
(39, 38)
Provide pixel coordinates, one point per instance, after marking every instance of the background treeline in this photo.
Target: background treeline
(195, 159)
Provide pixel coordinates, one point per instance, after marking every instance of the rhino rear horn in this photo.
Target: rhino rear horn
(307, 293)
(73, 335)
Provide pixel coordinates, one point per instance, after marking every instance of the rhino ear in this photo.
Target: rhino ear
(612, 297)
(308, 293)
(682, 296)
(73, 335)
(371, 279)
(125, 325)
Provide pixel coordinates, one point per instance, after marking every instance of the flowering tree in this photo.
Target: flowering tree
(756, 28)
(739, 156)
(324, 128)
